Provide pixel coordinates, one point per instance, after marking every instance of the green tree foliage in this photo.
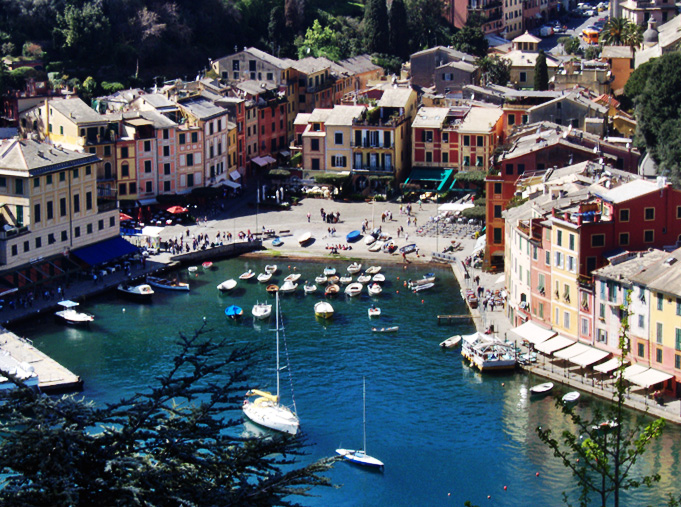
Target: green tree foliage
(320, 41)
(541, 72)
(277, 31)
(427, 27)
(82, 33)
(495, 69)
(397, 21)
(471, 39)
(657, 112)
(375, 26)
(175, 444)
(110, 88)
(592, 52)
(621, 32)
(571, 45)
(603, 454)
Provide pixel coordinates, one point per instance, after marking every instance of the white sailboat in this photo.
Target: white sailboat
(360, 456)
(265, 409)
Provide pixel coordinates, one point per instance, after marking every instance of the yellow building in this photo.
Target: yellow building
(50, 205)
(232, 159)
(338, 128)
(564, 276)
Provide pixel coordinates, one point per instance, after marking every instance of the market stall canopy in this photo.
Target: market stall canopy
(177, 210)
(609, 365)
(550, 346)
(453, 206)
(650, 377)
(533, 333)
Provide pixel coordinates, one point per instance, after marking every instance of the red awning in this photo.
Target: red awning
(124, 217)
(177, 210)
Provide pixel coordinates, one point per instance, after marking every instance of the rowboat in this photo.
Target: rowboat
(334, 279)
(389, 246)
(420, 281)
(363, 278)
(329, 271)
(192, 269)
(374, 289)
(369, 239)
(164, 283)
(451, 342)
(207, 265)
(407, 249)
(271, 269)
(332, 290)
(375, 246)
(374, 311)
(293, 277)
(379, 278)
(304, 238)
(227, 285)
(426, 286)
(234, 312)
(264, 277)
(309, 288)
(354, 289)
(272, 289)
(373, 270)
(354, 268)
(570, 398)
(541, 389)
(321, 279)
(344, 280)
(288, 287)
(392, 329)
(323, 310)
(247, 275)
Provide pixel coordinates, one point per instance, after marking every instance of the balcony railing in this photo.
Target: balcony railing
(368, 144)
(13, 232)
(369, 168)
(391, 121)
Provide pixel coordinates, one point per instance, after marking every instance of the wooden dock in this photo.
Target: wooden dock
(447, 319)
(52, 377)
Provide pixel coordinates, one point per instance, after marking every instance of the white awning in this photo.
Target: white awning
(572, 351)
(479, 244)
(453, 206)
(533, 333)
(151, 231)
(633, 370)
(231, 184)
(609, 365)
(235, 175)
(650, 378)
(472, 338)
(591, 356)
(556, 343)
(260, 161)
(269, 159)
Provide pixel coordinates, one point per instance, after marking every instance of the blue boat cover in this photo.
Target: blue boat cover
(233, 310)
(105, 251)
(353, 236)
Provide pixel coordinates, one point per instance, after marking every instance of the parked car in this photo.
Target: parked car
(546, 31)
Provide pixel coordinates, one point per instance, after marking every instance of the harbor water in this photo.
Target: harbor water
(445, 432)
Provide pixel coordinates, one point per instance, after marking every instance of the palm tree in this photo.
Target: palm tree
(614, 31)
(633, 36)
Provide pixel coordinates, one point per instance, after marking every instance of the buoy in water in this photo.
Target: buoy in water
(537, 474)
(422, 301)
(397, 292)
(505, 488)
(503, 384)
(123, 310)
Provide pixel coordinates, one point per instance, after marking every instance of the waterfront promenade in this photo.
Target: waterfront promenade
(242, 215)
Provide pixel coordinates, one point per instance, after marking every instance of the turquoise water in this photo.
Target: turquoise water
(445, 432)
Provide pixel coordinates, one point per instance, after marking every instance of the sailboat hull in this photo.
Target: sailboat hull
(272, 415)
(360, 458)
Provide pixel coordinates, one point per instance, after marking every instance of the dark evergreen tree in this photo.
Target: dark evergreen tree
(375, 26)
(177, 444)
(471, 40)
(541, 72)
(495, 70)
(397, 21)
(277, 31)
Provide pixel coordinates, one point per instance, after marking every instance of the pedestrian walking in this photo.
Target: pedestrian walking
(308, 216)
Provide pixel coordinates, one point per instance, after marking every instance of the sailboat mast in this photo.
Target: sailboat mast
(277, 321)
(364, 411)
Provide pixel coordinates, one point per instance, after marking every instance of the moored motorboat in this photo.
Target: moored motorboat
(354, 268)
(261, 311)
(288, 287)
(374, 311)
(570, 398)
(374, 289)
(272, 289)
(332, 290)
(344, 280)
(293, 277)
(70, 315)
(426, 286)
(354, 289)
(451, 342)
(541, 389)
(373, 270)
(247, 275)
(321, 279)
(271, 269)
(379, 278)
(264, 277)
(227, 285)
(207, 265)
(141, 292)
(192, 269)
(329, 271)
(363, 278)
(392, 329)
(164, 283)
(309, 288)
(323, 310)
(334, 279)
(305, 238)
(420, 281)
(407, 249)
(376, 246)
(234, 312)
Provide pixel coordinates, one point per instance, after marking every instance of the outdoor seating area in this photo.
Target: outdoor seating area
(158, 216)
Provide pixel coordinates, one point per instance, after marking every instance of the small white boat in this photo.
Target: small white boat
(392, 329)
(227, 285)
(70, 315)
(451, 342)
(192, 269)
(329, 271)
(376, 246)
(354, 268)
(288, 287)
(207, 265)
(544, 388)
(304, 238)
(373, 270)
(261, 311)
(334, 279)
(264, 277)
(323, 310)
(379, 278)
(374, 289)
(309, 288)
(570, 398)
(354, 289)
(321, 279)
(364, 278)
(271, 269)
(141, 292)
(247, 275)
(426, 286)
(292, 277)
(360, 457)
(374, 311)
(164, 283)
(369, 239)
(331, 290)
(345, 279)
(421, 281)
